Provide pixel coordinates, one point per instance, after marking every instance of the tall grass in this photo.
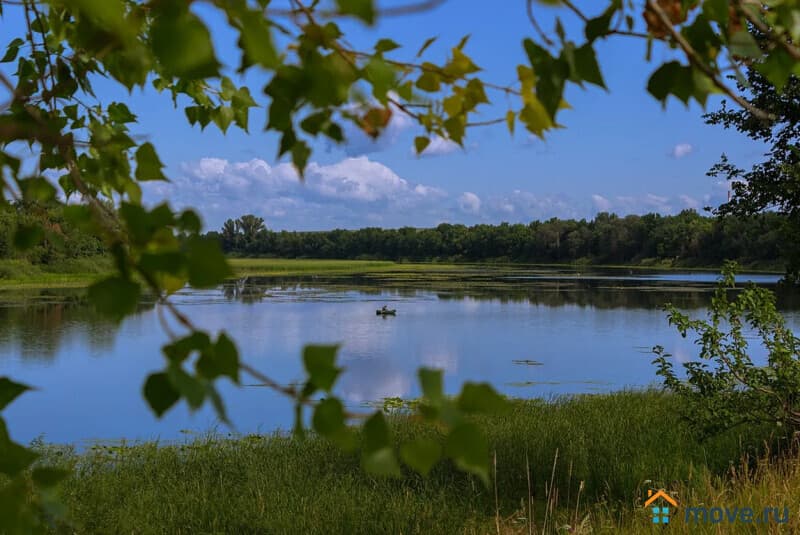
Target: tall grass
(575, 459)
(66, 272)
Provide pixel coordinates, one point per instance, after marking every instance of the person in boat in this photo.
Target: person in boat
(384, 309)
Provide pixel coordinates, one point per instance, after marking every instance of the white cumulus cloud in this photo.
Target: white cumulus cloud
(600, 203)
(346, 193)
(469, 203)
(681, 150)
(357, 192)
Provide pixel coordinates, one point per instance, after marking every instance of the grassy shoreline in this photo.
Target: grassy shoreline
(589, 458)
(79, 273)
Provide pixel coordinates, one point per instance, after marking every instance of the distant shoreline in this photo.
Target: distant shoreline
(18, 274)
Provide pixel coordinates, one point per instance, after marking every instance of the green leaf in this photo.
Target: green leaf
(207, 265)
(223, 117)
(382, 77)
(220, 359)
(257, 41)
(189, 387)
(120, 114)
(9, 391)
(431, 382)
(172, 262)
(481, 397)
(329, 421)
(597, 27)
(717, 10)
(115, 297)
(226, 88)
(182, 44)
(79, 215)
(216, 401)
(328, 416)
(551, 74)
(382, 462)
(315, 122)
(320, 364)
(227, 357)
(469, 449)
(180, 349)
(12, 50)
(428, 42)
(421, 143)
(385, 45)
(456, 128)
(586, 66)
(107, 14)
(511, 121)
(459, 65)
(48, 476)
(744, 45)
(777, 67)
(27, 236)
(671, 78)
(190, 222)
(406, 90)
(148, 165)
(378, 457)
(159, 393)
(13, 457)
(429, 81)
(421, 454)
(362, 9)
(300, 155)
(198, 114)
(37, 189)
(141, 224)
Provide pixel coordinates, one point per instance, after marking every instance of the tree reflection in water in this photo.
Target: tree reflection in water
(38, 323)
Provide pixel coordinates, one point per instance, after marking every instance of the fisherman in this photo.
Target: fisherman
(384, 308)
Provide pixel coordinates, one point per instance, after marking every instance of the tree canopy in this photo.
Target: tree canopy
(687, 239)
(774, 183)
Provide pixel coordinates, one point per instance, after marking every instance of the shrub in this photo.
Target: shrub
(725, 388)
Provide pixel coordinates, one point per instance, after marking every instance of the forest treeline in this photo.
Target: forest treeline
(687, 238)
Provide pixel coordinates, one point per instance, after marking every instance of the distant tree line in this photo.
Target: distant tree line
(60, 239)
(687, 238)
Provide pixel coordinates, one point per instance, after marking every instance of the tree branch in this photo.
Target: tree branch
(697, 61)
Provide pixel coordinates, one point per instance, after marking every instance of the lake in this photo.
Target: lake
(530, 332)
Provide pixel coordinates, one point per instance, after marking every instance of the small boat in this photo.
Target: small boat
(386, 312)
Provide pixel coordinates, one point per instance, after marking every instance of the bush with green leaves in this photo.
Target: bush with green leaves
(729, 387)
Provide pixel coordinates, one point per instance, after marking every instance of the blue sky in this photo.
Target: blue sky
(620, 151)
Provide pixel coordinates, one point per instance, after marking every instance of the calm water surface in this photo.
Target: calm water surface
(528, 332)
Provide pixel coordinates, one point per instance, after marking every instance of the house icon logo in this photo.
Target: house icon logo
(659, 503)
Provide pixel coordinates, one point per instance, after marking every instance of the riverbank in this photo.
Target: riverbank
(67, 273)
(78, 273)
(587, 461)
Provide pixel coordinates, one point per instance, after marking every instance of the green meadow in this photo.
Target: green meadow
(81, 272)
(574, 464)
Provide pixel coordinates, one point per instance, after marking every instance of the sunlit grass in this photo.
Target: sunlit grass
(82, 272)
(68, 273)
(284, 266)
(582, 459)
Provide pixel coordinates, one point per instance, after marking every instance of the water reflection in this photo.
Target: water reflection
(39, 327)
(685, 290)
(536, 336)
